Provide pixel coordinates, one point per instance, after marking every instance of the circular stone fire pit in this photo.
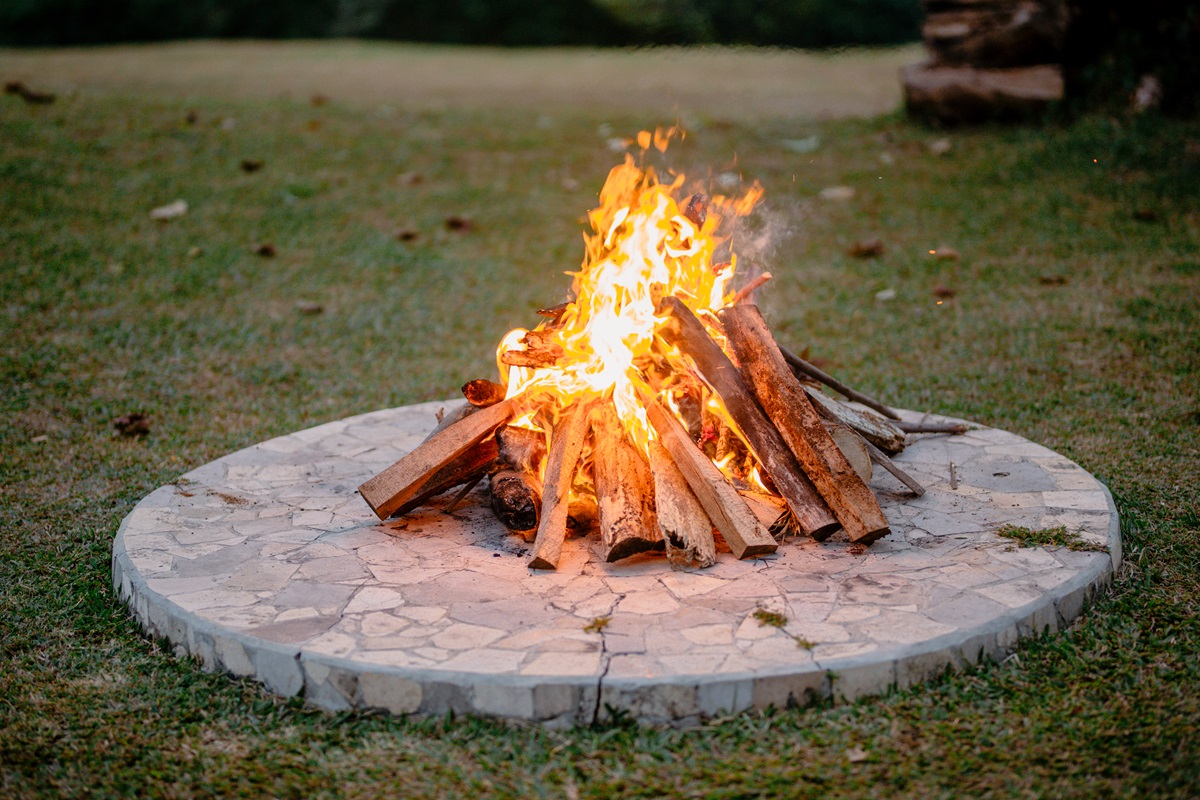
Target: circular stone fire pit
(266, 563)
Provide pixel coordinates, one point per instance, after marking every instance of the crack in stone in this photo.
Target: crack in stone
(605, 661)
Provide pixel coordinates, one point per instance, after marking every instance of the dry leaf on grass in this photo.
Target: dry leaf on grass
(939, 147)
(838, 193)
(309, 308)
(132, 425)
(456, 223)
(943, 292)
(407, 234)
(1052, 280)
(264, 249)
(251, 165)
(867, 248)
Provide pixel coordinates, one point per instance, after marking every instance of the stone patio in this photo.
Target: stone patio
(266, 563)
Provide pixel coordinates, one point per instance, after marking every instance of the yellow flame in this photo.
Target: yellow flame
(642, 248)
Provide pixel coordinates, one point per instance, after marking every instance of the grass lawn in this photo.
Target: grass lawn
(1071, 317)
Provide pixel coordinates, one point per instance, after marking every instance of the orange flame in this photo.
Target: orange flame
(642, 247)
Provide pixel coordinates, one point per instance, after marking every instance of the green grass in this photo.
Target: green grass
(1058, 536)
(106, 312)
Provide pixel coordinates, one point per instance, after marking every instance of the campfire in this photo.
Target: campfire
(655, 408)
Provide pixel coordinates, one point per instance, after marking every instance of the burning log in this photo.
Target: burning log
(804, 368)
(517, 501)
(422, 470)
(624, 490)
(686, 528)
(878, 431)
(539, 352)
(718, 371)
(782, 398)
(738, 525)
(482, 393)
(565, 447)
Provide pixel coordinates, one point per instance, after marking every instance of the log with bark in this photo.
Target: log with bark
(782, 397)
(483, 393)
(810, 511)
(686, 528)
(624, 490)
(565, 446)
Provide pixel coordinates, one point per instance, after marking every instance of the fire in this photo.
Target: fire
(647, 241)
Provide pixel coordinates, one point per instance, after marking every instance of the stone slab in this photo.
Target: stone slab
(266, 563)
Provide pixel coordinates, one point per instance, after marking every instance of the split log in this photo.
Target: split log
(482, 393)
(624, 490)
(882, 433)
(566, 443)
(540, 351)
(767, 507)
(853, 447)
(696, 209)
(686, 528)
(908, 480)
(780, 394)
(718, 371)
(816, 373)
(737, 524)
(418, 472)
(517, 501)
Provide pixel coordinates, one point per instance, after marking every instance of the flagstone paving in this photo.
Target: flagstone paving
(266, 563)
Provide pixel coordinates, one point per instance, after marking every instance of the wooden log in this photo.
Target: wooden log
(416, 473)
(624, 490)
(540, 351)
(883, 433)
(521, 449)
(783, 399)
(696, 209)
(803, 367)
(566, 443)
(686, 529)
(812, 515)
(747, 292)
(468, 468)
(953, 428)
(517, 501)
(853, 447)
(741, 530)
(482, 393)
(766, 507)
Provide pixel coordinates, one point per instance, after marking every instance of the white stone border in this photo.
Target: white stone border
(181, 575)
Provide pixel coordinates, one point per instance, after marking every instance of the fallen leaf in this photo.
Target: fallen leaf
(1145, 215)
(856, 755)
(28, 95)
(264, 249)
(1052, 280)
(251, 165)
(170, 211)
(939, 147)
(410, 178)
(838, 193)
(457, 223)
(40, 439)
(867, 248)
(945, 254)
(407, 234)
(309, 308)
(885, 295)
(193, 252)
(132, 425)
(943, 292)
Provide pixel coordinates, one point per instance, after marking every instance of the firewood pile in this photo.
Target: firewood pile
(655, 410)
(989, 59)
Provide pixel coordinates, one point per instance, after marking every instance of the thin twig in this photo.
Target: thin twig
(798, 364)
(458, 498)
(956, 428)
(749, 288)
(880, 458)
